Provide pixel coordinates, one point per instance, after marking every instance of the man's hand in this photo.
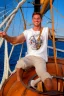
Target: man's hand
(2, 34)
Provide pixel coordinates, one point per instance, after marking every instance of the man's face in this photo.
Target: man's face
(36, 20)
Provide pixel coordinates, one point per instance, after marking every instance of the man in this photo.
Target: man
(36, 39)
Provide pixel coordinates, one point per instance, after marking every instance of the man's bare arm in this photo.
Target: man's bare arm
(50, 35)
(14, 40)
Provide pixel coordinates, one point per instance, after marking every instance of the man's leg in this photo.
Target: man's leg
(34, 82)
(40, 67)
(23, 63)
(19, 73)
(48, 84)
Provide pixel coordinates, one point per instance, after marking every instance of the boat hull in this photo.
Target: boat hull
(13, 88)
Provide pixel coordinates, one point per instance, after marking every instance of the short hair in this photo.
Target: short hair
(37, 13)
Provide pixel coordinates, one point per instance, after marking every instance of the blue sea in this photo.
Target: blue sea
(16, 53)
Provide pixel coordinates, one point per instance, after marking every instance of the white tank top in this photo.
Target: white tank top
(32, 43)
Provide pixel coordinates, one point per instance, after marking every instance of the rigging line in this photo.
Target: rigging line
(57, 18)
(12, 49)
(54, 47)
(19, 21)
(58, 12)
(10, 7)
(2, 11)
(5, 10)
(12, 13)
(26, 12)
(21, 52)
(27, 7)
(5, 14)
(9, 22)
(10, 3)
(13, 22)
(19, 24)
(47, 17)
(22, 17)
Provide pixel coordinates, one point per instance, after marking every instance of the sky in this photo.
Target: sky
(17, 24)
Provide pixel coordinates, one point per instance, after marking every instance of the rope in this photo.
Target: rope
(58, 12)
(54, 47)
(1, 12)
(57, 17)
(5, 10)
(13, 26)
(10, 18)
(13, 13)
(5, 14)
(19, 24)
(23, 18)
(21, 51)
(6, 61)
(10, 3)
(47, 17)
(7, 26)
(9, 59)
(1, 41)
(6, 65)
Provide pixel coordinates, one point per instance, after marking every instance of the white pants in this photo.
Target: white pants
(38, 63)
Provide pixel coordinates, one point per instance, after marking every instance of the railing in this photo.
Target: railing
(57, 50)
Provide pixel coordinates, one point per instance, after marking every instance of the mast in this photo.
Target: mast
(37, 6)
